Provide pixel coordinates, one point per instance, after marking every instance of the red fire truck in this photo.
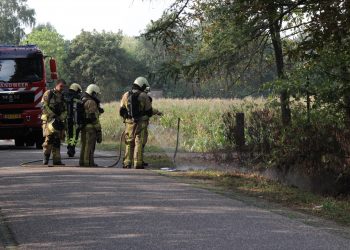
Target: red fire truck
(22, 84)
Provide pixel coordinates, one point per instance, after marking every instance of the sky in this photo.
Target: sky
(69, 17)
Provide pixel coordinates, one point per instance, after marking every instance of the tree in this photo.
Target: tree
(320, 56)
(14, 16)
(98, 58)
(325, 49)
(232, 31)
(51, 43)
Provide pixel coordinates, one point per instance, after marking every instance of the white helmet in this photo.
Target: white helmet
(75, 87)
(93, 88)
(141, 82)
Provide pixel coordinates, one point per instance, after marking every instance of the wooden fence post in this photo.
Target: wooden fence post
(239, 130)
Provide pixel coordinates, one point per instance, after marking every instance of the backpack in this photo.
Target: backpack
(69, 99)
(81, 117)
(133, 107)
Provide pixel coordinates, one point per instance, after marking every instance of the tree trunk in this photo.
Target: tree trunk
(347, 110)
(346, 96)
(275, 33)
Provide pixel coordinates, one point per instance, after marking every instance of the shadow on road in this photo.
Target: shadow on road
(128, 209)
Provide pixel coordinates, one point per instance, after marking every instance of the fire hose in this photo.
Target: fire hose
(120, 151)
(23, 164)
(116, 156)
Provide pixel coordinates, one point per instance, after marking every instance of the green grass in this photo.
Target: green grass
(335, 209)
(201, 123)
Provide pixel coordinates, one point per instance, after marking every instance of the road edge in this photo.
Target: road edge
(319, 223)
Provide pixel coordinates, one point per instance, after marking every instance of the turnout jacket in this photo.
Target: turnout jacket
(145, 105)
(53, 106)
(92, 113)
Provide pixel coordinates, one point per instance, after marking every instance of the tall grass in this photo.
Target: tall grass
(201, 122)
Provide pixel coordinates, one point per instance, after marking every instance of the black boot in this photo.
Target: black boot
(46, 159)
(70, 150)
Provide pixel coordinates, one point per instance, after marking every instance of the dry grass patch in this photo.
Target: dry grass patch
(201, 123)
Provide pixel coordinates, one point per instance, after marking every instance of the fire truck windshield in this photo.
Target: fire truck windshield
(21, 70)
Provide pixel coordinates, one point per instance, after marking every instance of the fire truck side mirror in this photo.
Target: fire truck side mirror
(53, 69)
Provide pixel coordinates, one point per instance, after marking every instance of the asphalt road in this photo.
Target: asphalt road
(79, 208)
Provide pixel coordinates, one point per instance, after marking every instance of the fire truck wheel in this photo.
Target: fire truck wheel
(19, 142)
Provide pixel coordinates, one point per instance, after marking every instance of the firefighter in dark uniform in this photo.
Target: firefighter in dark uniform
(91, 129)
(54, 114)
(73, 100)
(135, 108)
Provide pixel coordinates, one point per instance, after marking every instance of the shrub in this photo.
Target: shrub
(316, 146)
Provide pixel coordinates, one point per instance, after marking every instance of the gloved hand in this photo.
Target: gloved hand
(99, 136)
(123, 112)
(58, 124)
(101, 110)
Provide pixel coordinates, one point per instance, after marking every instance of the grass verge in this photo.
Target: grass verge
(335, 209)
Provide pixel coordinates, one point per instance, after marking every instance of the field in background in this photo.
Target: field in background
(201, 123)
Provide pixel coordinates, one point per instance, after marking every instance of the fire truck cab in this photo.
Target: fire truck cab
(22, 85)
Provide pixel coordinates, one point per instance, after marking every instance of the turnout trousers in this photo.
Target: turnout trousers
(146, 136)
(135, 136)
(52, 144)
(88, 144)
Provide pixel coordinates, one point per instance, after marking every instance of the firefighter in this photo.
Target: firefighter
(155, 112)
(54, 114)
(73, 100)
(135, 108)
(91, 130)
